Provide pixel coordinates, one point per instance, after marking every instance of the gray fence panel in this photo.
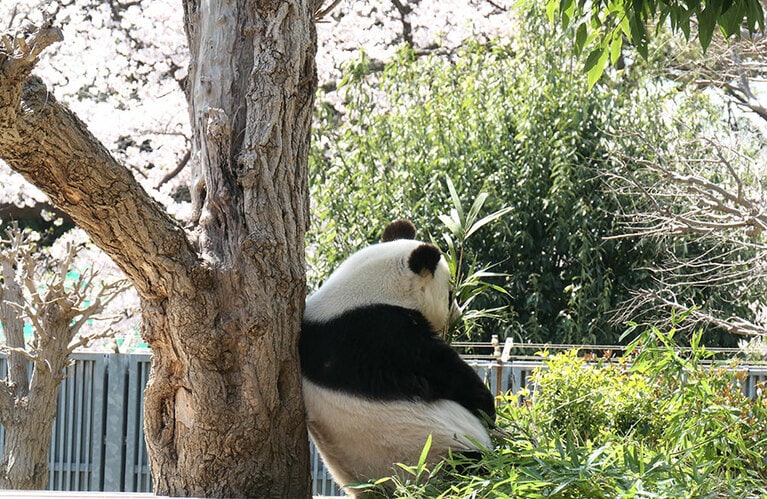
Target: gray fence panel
(115, 401)
(75, 452)
(755, 380)
(504, 377)
(136, 462)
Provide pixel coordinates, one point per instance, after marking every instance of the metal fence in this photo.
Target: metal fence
(98, 440)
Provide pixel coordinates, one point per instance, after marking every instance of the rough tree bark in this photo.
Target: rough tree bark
(221, 302)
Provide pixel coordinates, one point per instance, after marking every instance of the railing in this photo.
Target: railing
(98, 441)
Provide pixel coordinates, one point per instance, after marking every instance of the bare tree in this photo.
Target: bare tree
(36, 290)
(705, 194)
(221, 300)
(730, 65)
(701, 192)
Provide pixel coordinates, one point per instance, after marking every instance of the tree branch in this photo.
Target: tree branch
(322, 11)
(54, 150)
(179, 166)
(404, 15)
(716, 198)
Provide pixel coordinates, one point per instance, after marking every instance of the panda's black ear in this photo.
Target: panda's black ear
(424, 257)
(399, 229)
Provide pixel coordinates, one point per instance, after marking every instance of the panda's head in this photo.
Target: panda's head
(398, 271)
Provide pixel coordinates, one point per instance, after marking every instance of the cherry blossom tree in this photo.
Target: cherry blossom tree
(221, 292)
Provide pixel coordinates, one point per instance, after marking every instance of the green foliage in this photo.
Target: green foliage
(515, 128)
(662, 422)
(469, 282)
(586, 400)
(601, 27)
(513, 125)
(711, 426)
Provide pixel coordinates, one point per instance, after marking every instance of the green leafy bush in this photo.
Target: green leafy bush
(515, 123)
(662, 422)
(586, 400)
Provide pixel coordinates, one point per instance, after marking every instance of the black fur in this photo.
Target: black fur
(383, 352)
(424, 257)
(399, 229)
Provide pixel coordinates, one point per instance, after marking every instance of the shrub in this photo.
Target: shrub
(591, 400)
(661, 422)
(513, 122)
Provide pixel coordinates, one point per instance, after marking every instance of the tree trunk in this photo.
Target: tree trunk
(222, 304)
(28, 438)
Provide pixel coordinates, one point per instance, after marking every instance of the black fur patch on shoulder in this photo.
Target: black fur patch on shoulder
(399, 229)
(383, 352)
(426, 256)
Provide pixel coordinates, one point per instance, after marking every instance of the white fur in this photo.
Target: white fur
(361, 439)
(386, 265)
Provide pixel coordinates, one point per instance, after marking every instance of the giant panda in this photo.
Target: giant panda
(377, 379)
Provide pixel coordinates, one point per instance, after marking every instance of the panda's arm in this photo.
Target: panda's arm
(450, 377)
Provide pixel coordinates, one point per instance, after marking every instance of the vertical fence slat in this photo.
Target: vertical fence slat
(130, 429)
(100, 395)
(114, 443)
(145, 472)
(62, 420)
(87, 428)
(69, 418)
(77, 421)
(4, 374)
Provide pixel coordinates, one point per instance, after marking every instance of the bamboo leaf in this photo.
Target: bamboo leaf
(487, 219)
(424, 453)
(707, 20)
(455, 199)
(476, 206)
(452, 225)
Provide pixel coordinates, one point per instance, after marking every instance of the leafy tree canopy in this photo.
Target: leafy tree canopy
(602, 26)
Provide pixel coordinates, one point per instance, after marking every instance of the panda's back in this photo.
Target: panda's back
(388, 353)
(361, 439)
